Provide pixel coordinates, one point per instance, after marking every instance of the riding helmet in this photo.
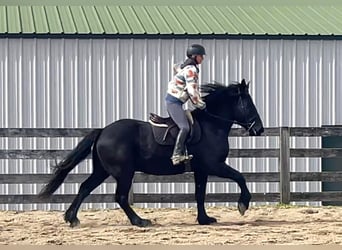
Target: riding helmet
(195, 49)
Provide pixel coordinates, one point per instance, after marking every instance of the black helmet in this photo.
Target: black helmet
(195, 49)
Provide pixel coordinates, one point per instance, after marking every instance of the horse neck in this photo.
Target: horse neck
(224, 124)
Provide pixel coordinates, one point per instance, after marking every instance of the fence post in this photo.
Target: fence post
(284, 165)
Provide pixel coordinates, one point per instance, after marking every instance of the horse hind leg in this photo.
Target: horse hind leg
(93, 181)
(124, 183)
(120, 164)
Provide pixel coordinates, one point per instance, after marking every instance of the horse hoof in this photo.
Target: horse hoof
(242, 208)
(207, 221)
(143, 223)
(75, 223)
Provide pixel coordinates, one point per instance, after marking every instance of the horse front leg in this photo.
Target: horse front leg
(225, 171)
(200, 188)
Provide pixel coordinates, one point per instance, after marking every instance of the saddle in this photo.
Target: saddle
(165, 130)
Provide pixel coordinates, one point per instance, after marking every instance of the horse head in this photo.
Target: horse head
(234, 104)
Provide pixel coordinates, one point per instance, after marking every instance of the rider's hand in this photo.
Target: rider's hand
(201, 105)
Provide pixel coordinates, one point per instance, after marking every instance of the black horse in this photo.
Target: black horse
(126, 146)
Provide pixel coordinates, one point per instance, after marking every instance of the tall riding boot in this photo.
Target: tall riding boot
(178, 155)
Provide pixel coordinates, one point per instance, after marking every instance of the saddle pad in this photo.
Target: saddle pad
(167, 135)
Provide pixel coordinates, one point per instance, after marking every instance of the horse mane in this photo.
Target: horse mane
(211, 91)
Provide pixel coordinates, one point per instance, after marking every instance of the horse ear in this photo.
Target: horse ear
(243, 82)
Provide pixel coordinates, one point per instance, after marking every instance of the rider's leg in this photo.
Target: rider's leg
(178, 155)
(178, 115)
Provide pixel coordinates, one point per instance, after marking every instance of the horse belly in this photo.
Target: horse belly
(160, 167)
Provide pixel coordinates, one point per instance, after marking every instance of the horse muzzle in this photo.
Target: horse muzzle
(255, 128)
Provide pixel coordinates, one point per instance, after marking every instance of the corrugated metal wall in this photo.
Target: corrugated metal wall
(71, 83)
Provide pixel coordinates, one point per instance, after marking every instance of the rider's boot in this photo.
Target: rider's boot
(178, 155)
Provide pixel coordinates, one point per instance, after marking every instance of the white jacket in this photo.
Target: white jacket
(184, 85)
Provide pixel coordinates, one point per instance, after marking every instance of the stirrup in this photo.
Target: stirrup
(178, 159)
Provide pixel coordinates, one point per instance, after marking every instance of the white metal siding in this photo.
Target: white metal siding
(71, 83)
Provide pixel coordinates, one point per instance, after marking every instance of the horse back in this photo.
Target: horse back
(133, 134)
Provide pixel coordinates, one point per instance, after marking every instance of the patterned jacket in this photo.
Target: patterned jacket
(184, 85)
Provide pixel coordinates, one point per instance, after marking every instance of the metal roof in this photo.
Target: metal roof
(230, 17)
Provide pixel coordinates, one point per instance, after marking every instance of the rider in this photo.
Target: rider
(181, 88)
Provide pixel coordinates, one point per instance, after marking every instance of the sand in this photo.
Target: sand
(265, 225)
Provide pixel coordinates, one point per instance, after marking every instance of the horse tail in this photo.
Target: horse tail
(61, 170)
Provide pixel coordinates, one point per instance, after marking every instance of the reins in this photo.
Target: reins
(249, 125)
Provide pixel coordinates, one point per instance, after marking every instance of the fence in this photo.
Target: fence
(284, 176)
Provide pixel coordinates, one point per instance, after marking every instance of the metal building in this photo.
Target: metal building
(65, 65)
